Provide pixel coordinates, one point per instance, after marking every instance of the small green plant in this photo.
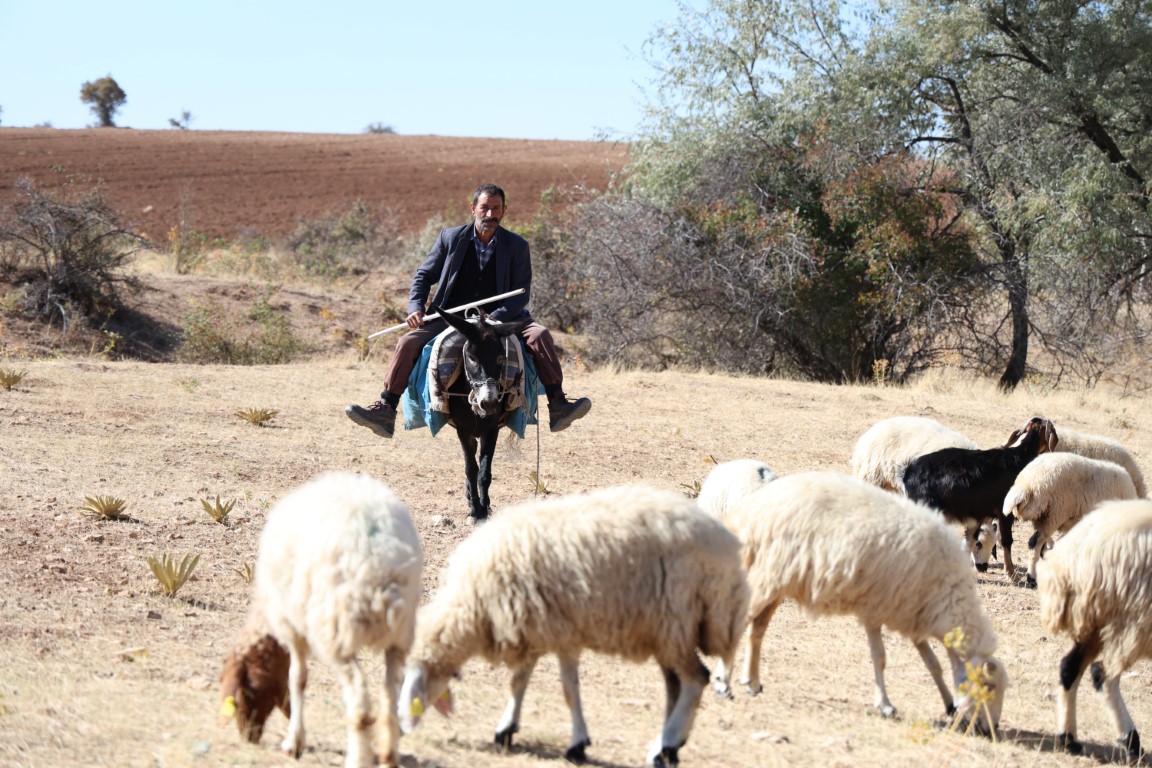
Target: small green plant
(188, 385)
(105, 507)
(257, 416)
(246, 572)
(171, 574)
(216, 510)
(10, 377)
(693, 489)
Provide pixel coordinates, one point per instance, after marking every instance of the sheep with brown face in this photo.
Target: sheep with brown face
(253, 684)
(338, 572)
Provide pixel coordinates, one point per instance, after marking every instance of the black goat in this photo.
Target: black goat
(969, 485)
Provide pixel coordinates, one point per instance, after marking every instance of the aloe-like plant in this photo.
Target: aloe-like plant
(10, 377)
(257, 416)
(105, 507)
(246, 571)
(217, 510)
(171, 574)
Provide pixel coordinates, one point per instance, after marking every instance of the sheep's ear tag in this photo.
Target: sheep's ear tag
(443, 703)
(228, 707)
(416, 708)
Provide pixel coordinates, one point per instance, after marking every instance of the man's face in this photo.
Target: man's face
(488, 210)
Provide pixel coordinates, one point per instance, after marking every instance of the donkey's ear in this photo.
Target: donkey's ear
(470, 331)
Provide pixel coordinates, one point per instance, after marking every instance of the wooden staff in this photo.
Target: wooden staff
(435, 315)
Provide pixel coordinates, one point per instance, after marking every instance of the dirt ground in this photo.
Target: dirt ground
(99, 669)
(225, 183)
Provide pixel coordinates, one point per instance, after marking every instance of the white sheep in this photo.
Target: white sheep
(1055, 490)
(1105, 449)
(631, 571)
(338, 571)
(730, 481)
(837, 545)
(882, 452)
(887, 447)
(1096, 585)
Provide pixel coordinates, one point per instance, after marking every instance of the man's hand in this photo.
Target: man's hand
(415, 320)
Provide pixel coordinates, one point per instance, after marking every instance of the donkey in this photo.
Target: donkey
(477, 402)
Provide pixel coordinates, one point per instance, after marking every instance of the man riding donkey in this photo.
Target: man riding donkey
(468, 264)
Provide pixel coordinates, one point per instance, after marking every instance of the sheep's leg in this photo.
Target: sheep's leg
(1005, 522)
(487, 450)
(1042, 538)
(510, 721)
(683, 689)
(1072, 668)
(293, 743)
(570, 680)
(879, 661)
(389, 749)
(756, 630)
(937, 673)
(471, 473)
(1109, 688)
(358, 712)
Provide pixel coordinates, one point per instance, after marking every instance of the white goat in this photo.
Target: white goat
(631, 571)
(1096, 586)
(338, 571)
(1055, 490)
(837, 545)
(1105, 449)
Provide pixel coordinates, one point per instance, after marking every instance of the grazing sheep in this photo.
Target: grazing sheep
(338, 570)
(1096, 586)
(730, 481)
(1057, 489)
(886, 448)
(882, 452)
(631, 571)
(1105, 449)
(253, 683)
(969, 486)
(837, 545)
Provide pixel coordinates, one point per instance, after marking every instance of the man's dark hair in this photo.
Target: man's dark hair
(488, 189)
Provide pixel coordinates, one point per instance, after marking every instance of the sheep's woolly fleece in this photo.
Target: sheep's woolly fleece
(631, 570)
(882, 452)
(837, 545)
(1098, 578)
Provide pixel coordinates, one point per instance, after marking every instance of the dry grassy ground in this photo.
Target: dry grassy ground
(98, 669)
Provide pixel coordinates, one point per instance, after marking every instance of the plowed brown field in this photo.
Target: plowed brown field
(223, 183)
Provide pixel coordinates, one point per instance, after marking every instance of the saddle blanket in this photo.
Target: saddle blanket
(425, 401)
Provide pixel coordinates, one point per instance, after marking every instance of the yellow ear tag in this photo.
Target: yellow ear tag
(416, 709)
(445, 697)
(228, 707)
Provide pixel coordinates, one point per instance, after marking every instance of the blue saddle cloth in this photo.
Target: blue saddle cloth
(418, 413)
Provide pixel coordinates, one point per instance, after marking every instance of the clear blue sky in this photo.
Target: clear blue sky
(535, 69)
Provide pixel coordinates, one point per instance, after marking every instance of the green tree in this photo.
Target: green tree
(105, 97)
(1025, 124)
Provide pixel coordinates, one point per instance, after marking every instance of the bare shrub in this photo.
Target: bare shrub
(263, 336)
(352, 242)
(70, 252)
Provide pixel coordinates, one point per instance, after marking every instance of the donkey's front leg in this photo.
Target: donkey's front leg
(476, 510)
(487, 450)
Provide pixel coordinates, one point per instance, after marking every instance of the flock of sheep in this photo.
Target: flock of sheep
(643, 573)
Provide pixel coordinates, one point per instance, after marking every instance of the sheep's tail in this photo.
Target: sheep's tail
(1020, 502)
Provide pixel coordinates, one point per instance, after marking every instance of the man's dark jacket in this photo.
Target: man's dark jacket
(512, 262)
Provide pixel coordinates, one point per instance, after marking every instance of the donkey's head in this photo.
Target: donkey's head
(484, 359)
